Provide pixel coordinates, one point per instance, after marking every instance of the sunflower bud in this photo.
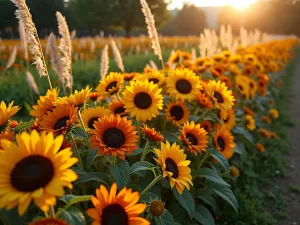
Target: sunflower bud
(234, 172)
(157, 208)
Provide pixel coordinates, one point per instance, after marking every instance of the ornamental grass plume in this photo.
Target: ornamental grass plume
(152, 31)
(104, 62)
(117, 55)
(12, 58)
(32, 38)
(32, 83)
(24, 45)
(65, 47)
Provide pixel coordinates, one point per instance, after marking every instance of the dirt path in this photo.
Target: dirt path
(293, 178)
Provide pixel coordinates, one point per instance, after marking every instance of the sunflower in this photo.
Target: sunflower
(60, 120)
(204, 101)
(265, 133)
(117, 107)
(224, 142)
(45, 103)
(260, 147)
(77, 99)
(33, 169)
(274, 113)
(130, 76)
(177, 112)
(152, 134)
(235, 70)
(226, 80)
(6, 135)
(229, 122)
(266, 119)
(206, 125)
(90, 115)
(154, 76)
(219, 93)
(115, 136)
(252, 87)
(94, 96)
(6, 112)
(143, 100)
(183, 84)
(248, 111)
(250, 122)
(112, 208)
(242, 85)
(174, 166)
(110, 85)
(13, 124)
(49, 221)
(194, 137)
(175, 57)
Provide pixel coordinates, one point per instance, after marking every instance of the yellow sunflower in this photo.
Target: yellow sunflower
(274, 113)
(6, 112)
(6, 135)
(174, 166)
(250, 122)
(60, 120)
(152, 134)
(110, 85)
(219, 93)
(143, 100)
(34, 169)
(175, 57)
(204, 101)
(49, 221)
(194, 137)
(183, 84)
(248, 111)
(157, 77)
(117, 107)
(112, 208)
(77, 99)
(252, 88)
(229, 122)
(177, 112)
(45, 103)
(115, 136)
(260, 147)
(224, 142)
(130, 76)
(90, 115)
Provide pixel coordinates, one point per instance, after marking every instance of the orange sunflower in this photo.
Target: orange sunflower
(115, 136)
(224, 142)
(194, 137)
(152, 134)
(77, 99)
(110, 85)
(112, 208)
(117, 107)
(177, 113)
(204, 101)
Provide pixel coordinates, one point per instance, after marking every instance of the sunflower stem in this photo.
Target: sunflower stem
(52, 212)
(204, 113)
(108, 159)
(114, 160)
(76, 149)
(3, 219)
(145, 152)
(151, 184)
(83, 127)
(206, 156)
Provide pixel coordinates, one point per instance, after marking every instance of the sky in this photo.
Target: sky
(240, 4)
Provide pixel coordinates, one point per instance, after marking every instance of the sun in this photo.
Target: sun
(241, 4)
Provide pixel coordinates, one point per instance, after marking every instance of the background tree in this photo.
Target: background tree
(190, 20)
(7, 18)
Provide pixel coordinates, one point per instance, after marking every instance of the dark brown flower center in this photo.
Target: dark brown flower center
(119, 110)
(154, 80)
(142, 100)
(240, 87)
(177, 113)
(171, 166)
(114, 214)
(157, 208)
(32, 173)
(192, 138)
(113, 137)
(183, 86)
(251, 85)
(62, 122)
(92, 121)
(219, 97)
(206, 128)
(221, 143)
(111, 86)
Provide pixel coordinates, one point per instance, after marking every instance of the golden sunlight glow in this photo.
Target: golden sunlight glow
(239, 4)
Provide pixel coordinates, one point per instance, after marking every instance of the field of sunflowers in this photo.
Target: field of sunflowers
(167, 142)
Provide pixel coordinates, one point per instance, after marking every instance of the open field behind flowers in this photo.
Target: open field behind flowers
(191, 134)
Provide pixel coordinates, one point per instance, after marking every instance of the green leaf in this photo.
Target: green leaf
(203, 216)
(137, 152)
(91, 156)
(245, 133)
(141, 166)
(207, 197)
(93, 176)
(186, 200)
(169, 136)
(165, 219)
(73, 216)
(211, 175)
(23, 126)
(219, 157)
(120, 172)
(73, 199)
(13, 217)
(226, 193)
